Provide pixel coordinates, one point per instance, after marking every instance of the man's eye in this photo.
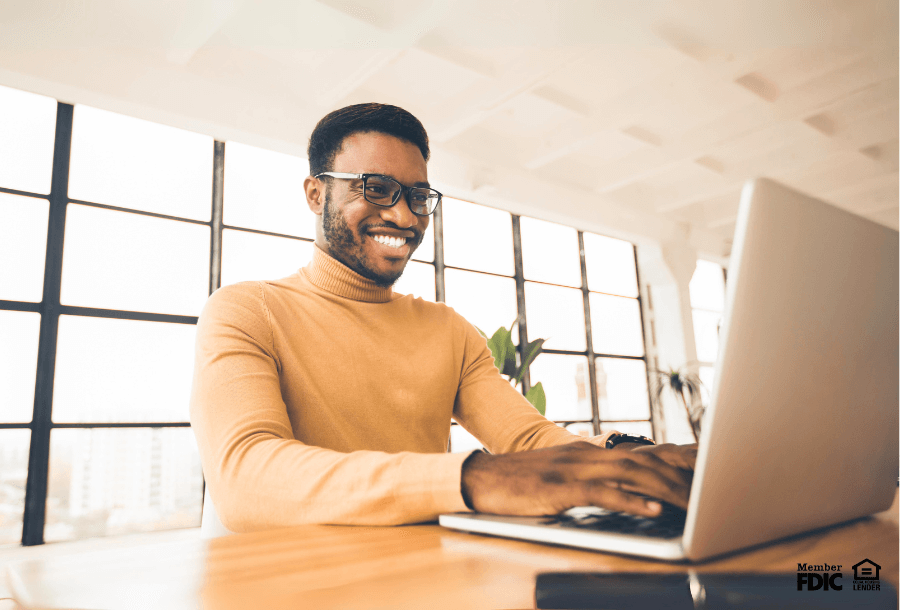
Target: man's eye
(421, 198)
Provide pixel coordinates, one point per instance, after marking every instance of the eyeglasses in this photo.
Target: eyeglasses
(385, 192)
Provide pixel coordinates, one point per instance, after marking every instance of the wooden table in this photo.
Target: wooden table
(422, 566)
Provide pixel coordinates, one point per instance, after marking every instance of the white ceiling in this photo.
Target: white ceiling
(636, 118)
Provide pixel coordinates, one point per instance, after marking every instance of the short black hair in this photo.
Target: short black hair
(328, 136)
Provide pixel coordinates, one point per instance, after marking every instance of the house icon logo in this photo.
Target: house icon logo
(866, 570)
(865, 576)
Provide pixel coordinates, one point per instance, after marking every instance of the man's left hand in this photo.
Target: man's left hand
(680, 456)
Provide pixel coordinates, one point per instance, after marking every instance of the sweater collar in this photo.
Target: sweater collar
(331, 275)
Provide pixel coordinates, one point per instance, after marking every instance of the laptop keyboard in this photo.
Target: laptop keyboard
(670, 524)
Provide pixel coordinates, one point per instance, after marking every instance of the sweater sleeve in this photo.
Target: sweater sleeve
(495, 412)
(259, 476)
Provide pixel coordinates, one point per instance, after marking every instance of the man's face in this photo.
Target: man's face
(358, 233)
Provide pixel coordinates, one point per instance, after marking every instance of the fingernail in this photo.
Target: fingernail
(654, 506)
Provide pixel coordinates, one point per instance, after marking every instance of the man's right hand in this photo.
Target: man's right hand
(549, 481)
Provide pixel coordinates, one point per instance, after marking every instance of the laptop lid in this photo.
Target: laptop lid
(802, 429)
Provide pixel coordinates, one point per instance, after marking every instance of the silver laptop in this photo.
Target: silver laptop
(802, 429)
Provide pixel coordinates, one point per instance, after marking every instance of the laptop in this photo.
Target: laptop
(802, 428)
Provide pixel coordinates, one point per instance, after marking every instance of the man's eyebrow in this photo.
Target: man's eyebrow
(416, 184)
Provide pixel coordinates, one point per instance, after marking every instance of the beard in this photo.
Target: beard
(346, 246)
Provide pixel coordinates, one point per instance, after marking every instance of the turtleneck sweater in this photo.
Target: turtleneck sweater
(324, 398)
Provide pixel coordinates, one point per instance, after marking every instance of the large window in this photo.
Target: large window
(114, 231)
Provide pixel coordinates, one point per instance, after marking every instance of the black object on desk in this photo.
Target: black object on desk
(688, 591)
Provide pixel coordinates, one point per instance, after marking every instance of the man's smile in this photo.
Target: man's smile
(392, 243)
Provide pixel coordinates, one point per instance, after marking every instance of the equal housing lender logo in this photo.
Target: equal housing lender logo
(829, 577)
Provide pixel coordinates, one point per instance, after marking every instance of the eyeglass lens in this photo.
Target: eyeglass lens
(384, 191)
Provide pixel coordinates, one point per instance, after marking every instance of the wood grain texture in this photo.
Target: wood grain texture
(390, 567)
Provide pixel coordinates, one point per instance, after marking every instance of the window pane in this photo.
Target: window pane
(19, 332)
(634, 428)
(550, 252)
(565, 381)
(476, 237)
(706, 334)
(122, 371)
(130, 163)
(616, 323)
(117, 260)
(264, 190)
(610, 265)
(23, 246)
(622, 389)
(461, 441)
(487, 301)
(555, 314)
(585, 429)
(108, 481)
(425, 251)
(13, 472)
(251, 256)
(417, 280)
(27, 128)
(708, 287)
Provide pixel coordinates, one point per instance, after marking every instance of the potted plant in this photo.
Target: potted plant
(685, 384)
(513, 366)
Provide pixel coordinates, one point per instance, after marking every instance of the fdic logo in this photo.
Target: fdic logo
(824, 576)
(818, 576)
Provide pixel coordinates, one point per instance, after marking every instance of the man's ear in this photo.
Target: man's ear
(315, 194)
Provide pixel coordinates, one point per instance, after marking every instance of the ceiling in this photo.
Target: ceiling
(640, 119)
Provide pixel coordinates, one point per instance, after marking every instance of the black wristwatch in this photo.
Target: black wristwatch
(619, 438)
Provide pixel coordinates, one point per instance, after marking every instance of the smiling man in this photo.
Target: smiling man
(325, 397)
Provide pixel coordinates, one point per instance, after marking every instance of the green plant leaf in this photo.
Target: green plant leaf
(537, 398)
(497, 345)
(509, 362)
(531, 351)
(482, 333)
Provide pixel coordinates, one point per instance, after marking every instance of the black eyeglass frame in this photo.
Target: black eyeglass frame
(403, 189)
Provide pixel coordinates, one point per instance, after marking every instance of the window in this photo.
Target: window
(594, 376)
(707, 304)
(123, 248)
(102, 278)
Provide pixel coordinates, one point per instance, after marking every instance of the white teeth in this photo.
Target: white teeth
(393, 242)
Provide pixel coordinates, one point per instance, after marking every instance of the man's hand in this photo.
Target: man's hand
(549, 481)
(680, 456)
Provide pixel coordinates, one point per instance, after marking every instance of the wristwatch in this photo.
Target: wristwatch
(618, 438)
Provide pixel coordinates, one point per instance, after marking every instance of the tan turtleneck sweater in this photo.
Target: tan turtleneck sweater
(322, 398)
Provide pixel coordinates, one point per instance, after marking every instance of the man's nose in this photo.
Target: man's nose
(399, 213)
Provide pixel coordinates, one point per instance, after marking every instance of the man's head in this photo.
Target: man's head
(374, 241)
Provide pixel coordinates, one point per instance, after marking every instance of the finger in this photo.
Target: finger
(598, 493)
(640, 464)
(644, 474)
(682, 456)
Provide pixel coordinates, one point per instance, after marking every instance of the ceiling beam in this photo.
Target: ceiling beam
(198, 21)
(526, 73)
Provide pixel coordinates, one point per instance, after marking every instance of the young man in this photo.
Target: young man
(324, 397)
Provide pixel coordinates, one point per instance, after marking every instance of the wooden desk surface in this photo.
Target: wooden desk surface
(423, 566)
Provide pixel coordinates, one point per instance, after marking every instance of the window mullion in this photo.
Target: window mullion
(440, 290)
(520, 297)
(589, 337)
(39, 451)
(218, 195)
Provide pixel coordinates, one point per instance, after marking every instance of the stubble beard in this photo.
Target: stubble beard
(346, 246)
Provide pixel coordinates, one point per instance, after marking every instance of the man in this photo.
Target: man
(325, 397)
